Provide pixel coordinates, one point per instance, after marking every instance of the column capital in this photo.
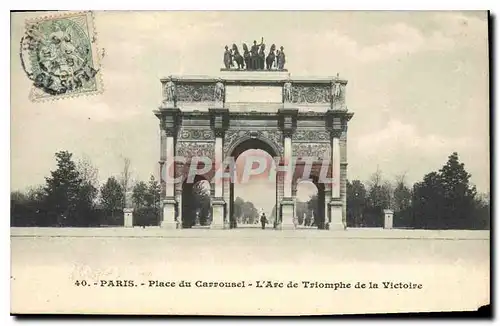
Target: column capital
(219, 121)
(170, 120)
(336, 122)
(288, 121)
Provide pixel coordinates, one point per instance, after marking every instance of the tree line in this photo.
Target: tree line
(443, 199)
(72, 196)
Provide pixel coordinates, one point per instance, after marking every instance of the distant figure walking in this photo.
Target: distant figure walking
(263, 221)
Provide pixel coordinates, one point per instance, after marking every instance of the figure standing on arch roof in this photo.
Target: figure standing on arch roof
(254, 51)
(262, 57)
(281, 58)
(228, 58)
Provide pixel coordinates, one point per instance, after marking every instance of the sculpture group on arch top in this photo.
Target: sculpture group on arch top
(254, 58)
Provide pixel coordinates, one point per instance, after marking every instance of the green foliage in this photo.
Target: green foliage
(245, 212)
(140, 194)
(69, 196)
(356, 203)
(445, 199)
(112, 194)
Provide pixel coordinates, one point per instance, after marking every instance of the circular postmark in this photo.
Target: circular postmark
(57, 56)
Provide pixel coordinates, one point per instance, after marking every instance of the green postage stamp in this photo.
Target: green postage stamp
(60, 56)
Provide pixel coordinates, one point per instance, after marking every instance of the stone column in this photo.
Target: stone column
(294, 197)
(288, 124)
(219, 122)
(169, 202)
(218, 200)
(169, 127)
(336, 206)
(287, 201)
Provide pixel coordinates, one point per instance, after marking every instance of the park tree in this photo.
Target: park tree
(379, 197)
(139, 194)
(250, 213)
(68, 197)
(112, 196)
(238, 209)
(445, 199)
(402, 203)
(126, 178)
(153, 195)
(459, 194)
(356, 203)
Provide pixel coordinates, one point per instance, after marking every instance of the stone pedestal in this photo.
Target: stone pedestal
(336, 222)
(128, 217)
(169, 221)
(287, 214)
(388, 218)
(218, 220)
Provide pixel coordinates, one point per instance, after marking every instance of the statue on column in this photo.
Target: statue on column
(336, 88)
(228, 58)
(287, 92)
(170, 91)
(219, 91)
(281, 58)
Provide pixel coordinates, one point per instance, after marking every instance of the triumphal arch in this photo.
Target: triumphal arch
(254, 105)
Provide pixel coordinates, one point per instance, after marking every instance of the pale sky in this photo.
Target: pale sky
(418, 87)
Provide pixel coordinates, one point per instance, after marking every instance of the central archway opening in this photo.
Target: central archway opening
(253, 192)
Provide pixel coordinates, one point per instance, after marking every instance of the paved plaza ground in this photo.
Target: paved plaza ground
(452, 266)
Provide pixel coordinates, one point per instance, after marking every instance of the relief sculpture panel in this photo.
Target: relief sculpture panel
(316, 150)
(311, 135)
(191, 149)
(187, 134)
(195, 93)
(311, 94)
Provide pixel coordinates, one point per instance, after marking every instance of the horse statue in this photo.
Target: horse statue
(246, 56)
(237, 57)
(271, 57)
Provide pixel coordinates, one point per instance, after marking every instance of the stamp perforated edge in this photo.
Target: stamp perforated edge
(96, 57)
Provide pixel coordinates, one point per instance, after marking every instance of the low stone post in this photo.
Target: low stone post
(128, 211)
(388, 218)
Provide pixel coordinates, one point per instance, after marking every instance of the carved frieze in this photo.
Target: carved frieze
(190, 149)
(311, 94)
(316, 150)
(273, 136)
(195, 92)
(301, 135)
(196, 134)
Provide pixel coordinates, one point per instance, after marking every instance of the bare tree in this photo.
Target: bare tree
(125, 178)
(88, 172)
